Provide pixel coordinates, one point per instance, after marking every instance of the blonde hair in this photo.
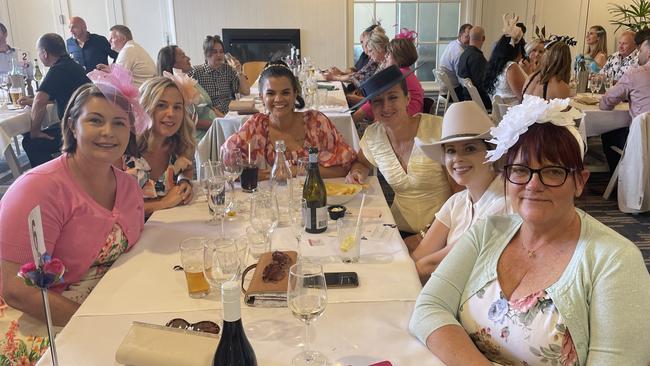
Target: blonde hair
(377, 40)
(601, 45)
(183, 142)
(556, 62)
(530, 46)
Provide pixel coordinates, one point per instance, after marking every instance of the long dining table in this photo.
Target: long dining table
(596, 121)
(360, 326)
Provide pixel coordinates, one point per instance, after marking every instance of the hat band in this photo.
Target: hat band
(459, 135)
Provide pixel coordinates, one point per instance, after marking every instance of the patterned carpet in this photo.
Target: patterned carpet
(634, 227)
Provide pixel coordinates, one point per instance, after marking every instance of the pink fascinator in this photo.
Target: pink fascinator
(510, 28)
(119, 81)
(405, 33)
(186, 85)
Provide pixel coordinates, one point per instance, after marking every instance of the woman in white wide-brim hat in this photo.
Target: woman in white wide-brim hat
(461, 148)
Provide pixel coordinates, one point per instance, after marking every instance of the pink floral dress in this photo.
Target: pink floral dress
(25, 338)
(527, 331)
(319, 132)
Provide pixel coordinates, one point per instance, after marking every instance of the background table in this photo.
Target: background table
(596, 121)
(370, 321)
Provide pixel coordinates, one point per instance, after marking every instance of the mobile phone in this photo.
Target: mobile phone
(341, 279)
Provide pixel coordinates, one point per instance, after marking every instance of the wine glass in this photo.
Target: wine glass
(216, 198)
(608, 82)
(301, 173)
(307, 298)
(207, 169)
(221, 261)
(594, 84)
(264, 214)
(298, 220)
(231, 159)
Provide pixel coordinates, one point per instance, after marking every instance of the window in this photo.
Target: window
(435, 21)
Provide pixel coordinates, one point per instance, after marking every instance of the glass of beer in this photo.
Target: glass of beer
(15, 94)
(192, 261)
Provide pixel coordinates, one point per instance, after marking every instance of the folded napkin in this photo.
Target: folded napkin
(332, 108)
(243, 106)
(586, 99)
(155, 345)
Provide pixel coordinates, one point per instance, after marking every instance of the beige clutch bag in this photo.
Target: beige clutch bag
(155, 345)
(270, 294)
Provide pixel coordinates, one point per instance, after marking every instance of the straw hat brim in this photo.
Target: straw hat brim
(433, 149)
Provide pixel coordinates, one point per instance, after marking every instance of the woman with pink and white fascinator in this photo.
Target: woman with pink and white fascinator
(548, 284)
(91, 211)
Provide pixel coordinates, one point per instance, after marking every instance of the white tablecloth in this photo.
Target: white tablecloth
(369, 321)
(596, 121)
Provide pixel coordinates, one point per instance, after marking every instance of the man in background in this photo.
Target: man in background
(634, 86)
(88, 49)
(451, 54)
(624, 58)
(472, 64)
(63, 78)
(131, 55)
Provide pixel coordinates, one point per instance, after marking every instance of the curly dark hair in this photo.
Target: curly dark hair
(502, 53)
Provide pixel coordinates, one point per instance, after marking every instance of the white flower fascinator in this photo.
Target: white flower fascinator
(510, 28)
(533, 109)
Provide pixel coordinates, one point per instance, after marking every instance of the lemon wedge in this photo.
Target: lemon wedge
(347, 244)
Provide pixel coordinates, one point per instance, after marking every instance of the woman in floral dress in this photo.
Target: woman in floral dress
(549, 285)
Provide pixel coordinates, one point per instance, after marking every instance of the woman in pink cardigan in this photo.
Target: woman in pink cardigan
(402, 53)
(91, 211)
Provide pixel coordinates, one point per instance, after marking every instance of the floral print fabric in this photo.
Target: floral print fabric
(319, 132)
(527, 331)
(115, 245)
(139, 168)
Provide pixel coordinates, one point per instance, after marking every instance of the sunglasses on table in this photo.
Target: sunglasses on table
(202, 326)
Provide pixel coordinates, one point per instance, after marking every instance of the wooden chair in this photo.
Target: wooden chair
(473, 92)
(253, 69)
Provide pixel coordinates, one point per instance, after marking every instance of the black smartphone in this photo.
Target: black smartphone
(341, 279)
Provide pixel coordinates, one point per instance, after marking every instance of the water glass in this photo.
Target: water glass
(349, 245)
(216, 198)
(264, 213)
(257, 243)
(232, 161)
(192, 261)
(307, 299)
(221, 261)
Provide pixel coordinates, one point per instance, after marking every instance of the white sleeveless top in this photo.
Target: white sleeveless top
(502, 88)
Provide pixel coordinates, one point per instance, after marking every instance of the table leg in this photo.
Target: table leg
(17, 145)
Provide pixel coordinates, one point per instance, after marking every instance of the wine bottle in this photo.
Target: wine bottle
(315, 195)
(281, 183)
(38, 75)
(234, 348)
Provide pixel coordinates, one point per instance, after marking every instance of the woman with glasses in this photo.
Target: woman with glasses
(549, 284)
(220, 80)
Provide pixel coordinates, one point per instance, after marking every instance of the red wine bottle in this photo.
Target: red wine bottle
(234, 348)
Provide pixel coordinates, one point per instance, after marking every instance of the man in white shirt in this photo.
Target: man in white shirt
(131, 55)
(449, 58)
(624, 58)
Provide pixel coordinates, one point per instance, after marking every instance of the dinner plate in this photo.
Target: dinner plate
(340, 193)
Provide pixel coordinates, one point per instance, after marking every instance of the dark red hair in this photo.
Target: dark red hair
(547, 142)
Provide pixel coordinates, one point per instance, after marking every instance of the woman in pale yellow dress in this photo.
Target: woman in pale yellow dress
(421, 185)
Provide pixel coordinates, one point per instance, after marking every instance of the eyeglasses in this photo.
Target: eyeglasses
(550, 176)
(202, 326)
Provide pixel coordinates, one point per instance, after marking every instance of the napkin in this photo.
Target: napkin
(332, 108)
(243, 106)
(585, 99)
(155, 345)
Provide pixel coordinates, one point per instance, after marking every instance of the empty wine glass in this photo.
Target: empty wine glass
(298, 221)
(307, 298)
(264, 214)
(232, 161)
(221, 261)
(595, 83)
(216, 198)
(301, 173)
(608, 82)
(207, 169)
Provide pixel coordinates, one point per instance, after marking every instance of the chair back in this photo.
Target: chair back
(499, 109)
(253, 69)
(633, 169)
(427, 105)
(473, 92)
(443, 78)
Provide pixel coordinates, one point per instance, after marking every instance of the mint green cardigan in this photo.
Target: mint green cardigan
(603, 294)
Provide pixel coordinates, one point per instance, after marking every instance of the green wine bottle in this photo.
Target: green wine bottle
(315, 195)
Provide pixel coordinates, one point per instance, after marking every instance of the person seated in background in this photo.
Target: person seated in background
(173, 57)
(623, 59)
(451, 54)
(130, 55)
(633, 86)
(596, 54)
(87, 49)
(7, 53)
(503, 76)
(545, 284)
(420, 184)
(361, 61)
(60, 82)
(472, 64)
(534, 52)
(163, 162)
(402, 53)
(219, 79)
(461, 148)
(91, 211)
(552, 79)
(279, 91)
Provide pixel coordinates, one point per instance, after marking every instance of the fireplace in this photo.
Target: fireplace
(260, 44)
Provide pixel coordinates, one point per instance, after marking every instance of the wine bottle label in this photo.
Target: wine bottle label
(313, 158)
(315, 217)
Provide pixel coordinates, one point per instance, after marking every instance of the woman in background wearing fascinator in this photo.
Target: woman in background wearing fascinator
(549, 284)
(552, 79)
(91, 211)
